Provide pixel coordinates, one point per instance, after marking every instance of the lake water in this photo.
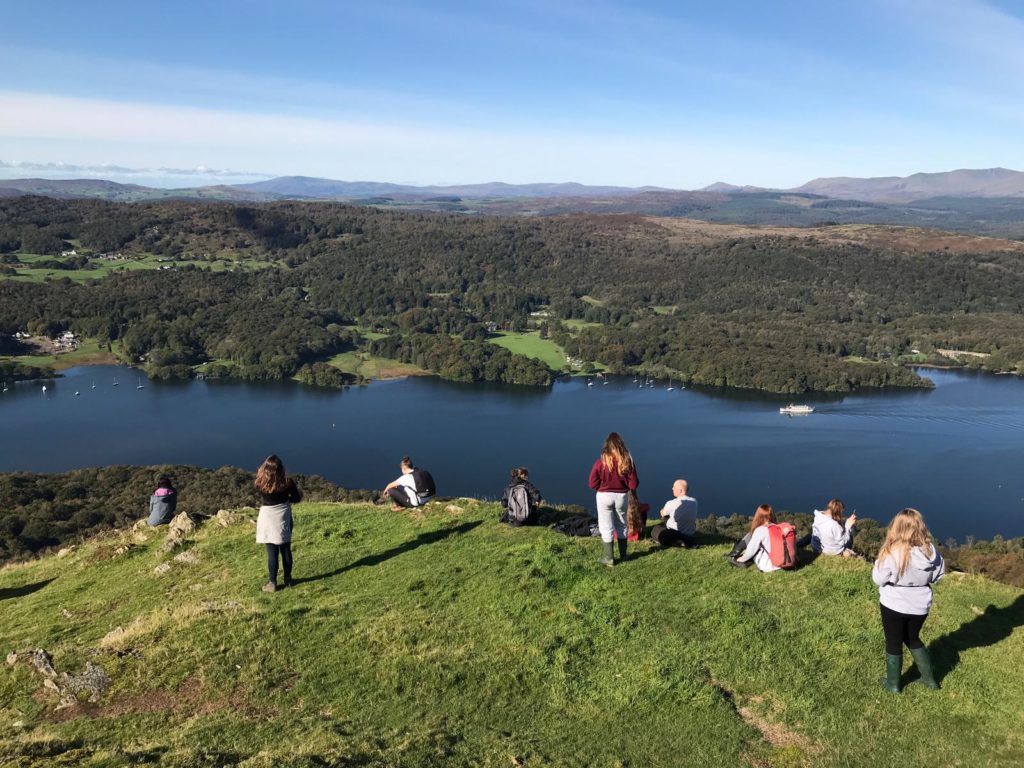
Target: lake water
(955, 452)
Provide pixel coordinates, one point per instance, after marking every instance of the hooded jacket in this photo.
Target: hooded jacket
(161, 508)
(910, 593)
(832, 537)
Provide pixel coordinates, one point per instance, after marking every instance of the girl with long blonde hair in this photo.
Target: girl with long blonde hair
(613, 477)
(907, 565)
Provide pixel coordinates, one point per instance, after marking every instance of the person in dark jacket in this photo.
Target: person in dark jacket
(529, 494)
(162, 502)
(613, 476)
(277, 493)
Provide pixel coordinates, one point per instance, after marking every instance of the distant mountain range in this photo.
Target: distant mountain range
(989, 201)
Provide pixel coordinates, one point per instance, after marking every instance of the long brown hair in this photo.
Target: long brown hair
(763, 515)
(271, 477)
(836, 508)
(906, 530)
(615, 455)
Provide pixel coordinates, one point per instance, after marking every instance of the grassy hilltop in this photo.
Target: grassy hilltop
(445, 638)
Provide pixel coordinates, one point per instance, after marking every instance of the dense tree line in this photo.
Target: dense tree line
(41, 511)
(785, 314)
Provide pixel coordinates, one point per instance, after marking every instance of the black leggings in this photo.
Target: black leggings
(900, 629)
(667, 537)
(286, 560)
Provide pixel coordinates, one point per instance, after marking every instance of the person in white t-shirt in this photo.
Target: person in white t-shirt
(678, 519)
(402, 490)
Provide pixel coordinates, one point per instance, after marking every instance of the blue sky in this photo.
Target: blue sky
(676, 94)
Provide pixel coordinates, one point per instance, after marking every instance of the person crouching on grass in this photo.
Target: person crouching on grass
(274, 524)
(908, 564)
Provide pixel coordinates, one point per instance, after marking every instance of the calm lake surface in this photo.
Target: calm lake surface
(956, 452)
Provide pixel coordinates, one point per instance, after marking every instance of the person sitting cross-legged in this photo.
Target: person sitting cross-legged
(678, 519)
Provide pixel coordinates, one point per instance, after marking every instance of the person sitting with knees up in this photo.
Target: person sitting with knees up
(520, 499)
(678, 519)
(830, 534)
(162, 502)
(413, 488)
(757, 542)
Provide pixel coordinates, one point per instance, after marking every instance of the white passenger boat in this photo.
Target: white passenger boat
(796, 410)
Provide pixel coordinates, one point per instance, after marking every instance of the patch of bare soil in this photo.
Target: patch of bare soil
(188, 698)
(885, 237)
(773, 732)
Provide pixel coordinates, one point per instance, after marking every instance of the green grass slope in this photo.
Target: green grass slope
(445, 638)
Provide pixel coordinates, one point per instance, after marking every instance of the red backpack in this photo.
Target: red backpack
(782, 545)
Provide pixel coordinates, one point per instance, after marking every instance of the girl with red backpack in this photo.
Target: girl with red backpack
(770, 545)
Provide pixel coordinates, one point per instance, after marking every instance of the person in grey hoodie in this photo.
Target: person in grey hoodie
(162, 502)
(830, 534)
(907, 565)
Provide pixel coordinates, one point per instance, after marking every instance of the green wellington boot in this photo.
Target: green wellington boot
(622, 549)
(923, 660)
(893, 667)
(606, 558)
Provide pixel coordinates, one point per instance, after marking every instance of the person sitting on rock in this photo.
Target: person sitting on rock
(413, 488)
(162, 502)
(678, 519)
(520, 500)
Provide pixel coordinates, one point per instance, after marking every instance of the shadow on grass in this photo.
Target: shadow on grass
(432, 537)
(992, 626)
(24, 589)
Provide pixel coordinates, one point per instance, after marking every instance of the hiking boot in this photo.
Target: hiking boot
(923, 662)
(270, 587)
(622, 549)
(288, 581)
(606, 557)
(893, 667)
(737, 549)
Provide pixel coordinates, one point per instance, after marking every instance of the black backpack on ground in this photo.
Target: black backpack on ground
(424, 482)
(580, 525)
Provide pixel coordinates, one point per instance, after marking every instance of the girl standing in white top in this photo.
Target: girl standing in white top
(907, 565)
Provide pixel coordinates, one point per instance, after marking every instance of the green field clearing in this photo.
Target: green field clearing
(88, 353)
(577, 324)
(103, 267)
(663, 309)
(443, 638)
(592, 301)
(366, 365)
(530, 344)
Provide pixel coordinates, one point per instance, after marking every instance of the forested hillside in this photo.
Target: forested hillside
(779, 312)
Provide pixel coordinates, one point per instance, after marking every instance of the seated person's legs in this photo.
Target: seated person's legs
(400, 496)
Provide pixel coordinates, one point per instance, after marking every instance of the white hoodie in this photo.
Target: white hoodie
(910, 593)
(834, 537)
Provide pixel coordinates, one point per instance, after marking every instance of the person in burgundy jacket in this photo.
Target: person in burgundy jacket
(613, 476)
